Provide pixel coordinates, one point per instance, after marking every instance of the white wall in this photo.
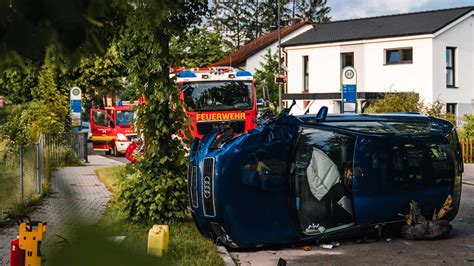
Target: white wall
(253, 62)
(373, 74)
(460, 36)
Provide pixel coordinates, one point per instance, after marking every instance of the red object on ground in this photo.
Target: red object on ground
(17, 256)
(129, 153)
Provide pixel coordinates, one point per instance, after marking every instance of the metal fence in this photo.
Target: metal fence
(25, 170)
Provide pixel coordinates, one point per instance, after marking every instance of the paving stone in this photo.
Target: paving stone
(77, 193)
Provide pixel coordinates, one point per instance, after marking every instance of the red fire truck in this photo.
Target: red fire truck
(213, 96)
(111, 129)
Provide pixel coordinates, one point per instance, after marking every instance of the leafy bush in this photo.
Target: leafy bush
(47, 113)
(467, 130)
(16, 82)
(409, 102)
(396, 102)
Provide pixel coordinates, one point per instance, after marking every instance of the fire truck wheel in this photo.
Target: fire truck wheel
(108, 152)
(116, 153)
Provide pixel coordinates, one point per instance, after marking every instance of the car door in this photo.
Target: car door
(102, 129)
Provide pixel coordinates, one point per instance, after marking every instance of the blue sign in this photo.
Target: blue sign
(76, 106)
(349, 94)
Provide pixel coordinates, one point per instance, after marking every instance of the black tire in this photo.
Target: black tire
(108, 152)
(116, 153)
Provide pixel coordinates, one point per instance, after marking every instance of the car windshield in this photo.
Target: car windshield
(218, 95)
(125, 118)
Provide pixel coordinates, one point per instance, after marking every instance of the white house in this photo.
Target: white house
(250, 56)
(430, 53)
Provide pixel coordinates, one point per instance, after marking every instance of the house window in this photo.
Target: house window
(451, 108)
(347, 59)
(450, 67)
(305, 74)
(399, 56)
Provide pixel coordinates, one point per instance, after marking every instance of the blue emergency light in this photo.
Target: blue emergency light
(186, 74)
(243, 74)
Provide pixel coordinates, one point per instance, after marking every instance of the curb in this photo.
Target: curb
(224, 254)
(468, 183)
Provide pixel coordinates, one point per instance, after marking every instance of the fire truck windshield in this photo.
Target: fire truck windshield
(125, 118)
(218, 95)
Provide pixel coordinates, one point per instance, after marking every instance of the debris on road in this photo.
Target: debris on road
(418, 227)
(306, 248)
(326, 246)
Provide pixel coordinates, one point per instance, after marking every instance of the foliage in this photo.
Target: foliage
(16, 128)
(467, 130)
(54, 102)
(409, 102)
(396, 102)
(186, 245)
(97, 75)
(200, 47)
(243, 21)
(16, 82)
(314, 10)
(28, 27)
(265, 77)
(47, 113)
(157, 192)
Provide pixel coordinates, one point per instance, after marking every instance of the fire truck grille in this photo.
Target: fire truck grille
(192, 185)
(208, 187)
(206, 127)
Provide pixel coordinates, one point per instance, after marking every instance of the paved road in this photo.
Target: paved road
(120, 159)
(458, 249)
(77, 193)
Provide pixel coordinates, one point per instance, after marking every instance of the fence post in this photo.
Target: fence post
(39, 164)
(21, 175)
(84, 147)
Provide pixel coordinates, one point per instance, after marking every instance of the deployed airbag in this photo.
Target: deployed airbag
(322, 174)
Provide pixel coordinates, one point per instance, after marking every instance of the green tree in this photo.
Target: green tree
(265, 77)
(17, 81)
(54, 101)
(200, 47)
(233, 19)
(48, 112)
(98, 75)
(157, 192)
(314, 10)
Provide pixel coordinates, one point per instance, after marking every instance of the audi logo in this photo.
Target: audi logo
(207, 187)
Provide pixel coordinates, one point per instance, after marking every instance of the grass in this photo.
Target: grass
(186, 246)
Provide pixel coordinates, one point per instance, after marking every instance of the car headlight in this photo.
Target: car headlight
(122, 137)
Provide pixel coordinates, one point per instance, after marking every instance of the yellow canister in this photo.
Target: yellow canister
(158, 238)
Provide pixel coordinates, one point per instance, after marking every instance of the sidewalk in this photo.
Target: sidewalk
(468, 176)
(77, 192)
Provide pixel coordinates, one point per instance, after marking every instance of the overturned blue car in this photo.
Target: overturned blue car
(298, 179)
